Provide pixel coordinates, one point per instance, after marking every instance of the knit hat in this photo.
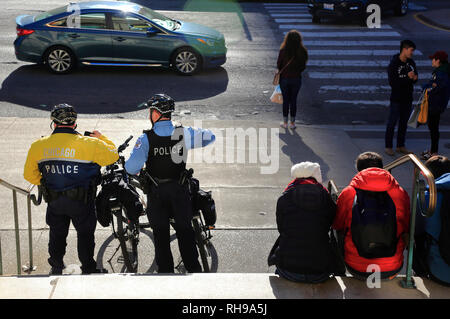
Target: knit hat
(307, 169)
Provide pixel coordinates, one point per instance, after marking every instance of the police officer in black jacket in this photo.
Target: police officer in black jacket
(163, 150)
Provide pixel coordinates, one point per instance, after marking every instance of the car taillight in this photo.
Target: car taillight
(21, 32)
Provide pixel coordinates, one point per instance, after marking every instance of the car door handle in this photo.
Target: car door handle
(120, 39)
(74, 35)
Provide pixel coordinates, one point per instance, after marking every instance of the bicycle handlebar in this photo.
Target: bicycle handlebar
(122, 147)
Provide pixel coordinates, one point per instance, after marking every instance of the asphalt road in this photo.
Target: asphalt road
(344, 82)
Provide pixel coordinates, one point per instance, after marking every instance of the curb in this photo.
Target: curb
(430, 23)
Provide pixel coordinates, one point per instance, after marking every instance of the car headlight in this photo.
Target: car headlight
(206, 41)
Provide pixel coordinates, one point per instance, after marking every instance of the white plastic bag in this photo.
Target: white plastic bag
(277, 97)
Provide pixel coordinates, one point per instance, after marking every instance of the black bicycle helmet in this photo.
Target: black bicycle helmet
(63, 114)
(162, 103)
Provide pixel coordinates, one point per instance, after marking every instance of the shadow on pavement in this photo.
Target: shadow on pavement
(283, 289)
(109, 256)
(105, 90)
(298, 151)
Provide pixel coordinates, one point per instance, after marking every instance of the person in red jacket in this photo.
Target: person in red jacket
(372, 177)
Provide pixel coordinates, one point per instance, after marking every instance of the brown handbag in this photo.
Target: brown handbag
(276, 78)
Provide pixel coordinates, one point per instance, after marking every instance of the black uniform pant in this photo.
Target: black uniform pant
(59, 214)
(166, 201)
(433, 126)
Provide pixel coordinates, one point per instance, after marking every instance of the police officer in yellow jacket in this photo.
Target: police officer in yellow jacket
(67, 165)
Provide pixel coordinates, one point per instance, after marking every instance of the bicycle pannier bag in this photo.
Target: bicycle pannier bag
(206, 204)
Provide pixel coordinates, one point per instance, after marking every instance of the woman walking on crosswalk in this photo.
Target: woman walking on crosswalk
(291, 63)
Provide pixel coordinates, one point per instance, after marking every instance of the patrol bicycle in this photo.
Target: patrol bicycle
(125, 229)
(202, 232)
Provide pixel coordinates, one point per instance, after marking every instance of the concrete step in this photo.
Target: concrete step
(207, 286)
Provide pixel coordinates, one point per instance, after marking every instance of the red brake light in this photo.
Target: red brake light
(21, 32)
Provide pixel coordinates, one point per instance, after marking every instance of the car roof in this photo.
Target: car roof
(118, 5)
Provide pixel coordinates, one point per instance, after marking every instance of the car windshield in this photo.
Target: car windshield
(50, 13)
(159, 19)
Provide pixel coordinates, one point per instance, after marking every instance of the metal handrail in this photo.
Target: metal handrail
(425, 172)
(36, 201)
(419, 168)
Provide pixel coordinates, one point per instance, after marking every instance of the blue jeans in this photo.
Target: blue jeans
(309, 279)
(399, 112)
(289, 89)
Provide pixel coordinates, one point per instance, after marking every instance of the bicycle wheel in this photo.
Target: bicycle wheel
(142, 197)
(128, 244)
(201, 242)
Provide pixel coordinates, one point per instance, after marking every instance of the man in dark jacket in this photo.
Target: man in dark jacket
(438, 95)
(402, 73)
(304, 213)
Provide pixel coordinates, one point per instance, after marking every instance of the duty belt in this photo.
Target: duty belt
(78, 194)
(164, 180)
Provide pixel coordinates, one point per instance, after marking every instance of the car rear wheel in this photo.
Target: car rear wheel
(60, 60)
(186, 61)
(402, 8)
(315, 19)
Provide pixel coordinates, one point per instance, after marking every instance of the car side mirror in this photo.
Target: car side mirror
(152, 31)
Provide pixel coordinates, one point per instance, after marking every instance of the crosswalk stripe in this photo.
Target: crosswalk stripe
(359, 88)
(292, 20)
(350, 34)
(285, 4)
(415, 7)
(349, 75)
(357, 52)
(365, 102)
(293, 14)
(326, 27)
(287, 10)
(360, 63)
(328, 43)
(361, 102)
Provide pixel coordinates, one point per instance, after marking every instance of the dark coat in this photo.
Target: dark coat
(402, 86)
(295, 67)
(304, 215)
(439, 96)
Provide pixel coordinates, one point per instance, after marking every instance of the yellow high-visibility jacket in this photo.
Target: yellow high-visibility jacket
(67, 159)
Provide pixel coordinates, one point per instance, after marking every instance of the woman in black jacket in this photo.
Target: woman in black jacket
(438, 96)
(291, 62)
(305, 212)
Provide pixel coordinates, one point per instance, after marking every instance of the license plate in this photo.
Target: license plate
(328, 6)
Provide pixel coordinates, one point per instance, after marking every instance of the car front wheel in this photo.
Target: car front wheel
(59, 60)
(186, 61)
